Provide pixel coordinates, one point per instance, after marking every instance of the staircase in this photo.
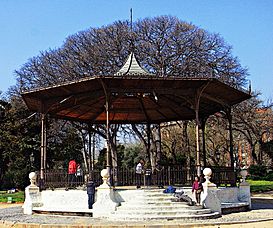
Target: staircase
(155, 205)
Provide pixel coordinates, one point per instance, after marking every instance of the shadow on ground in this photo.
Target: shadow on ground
(258, 203)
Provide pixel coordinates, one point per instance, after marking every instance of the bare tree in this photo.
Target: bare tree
(251, 121)
(163, 45)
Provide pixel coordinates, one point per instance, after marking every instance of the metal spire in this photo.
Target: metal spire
(131, 19)
(249, 87)
(131, 66)
(131, 31)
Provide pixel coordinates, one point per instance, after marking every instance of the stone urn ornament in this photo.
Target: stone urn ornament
(207, 175)
(32, 178)
(243, 173)
(105, 178)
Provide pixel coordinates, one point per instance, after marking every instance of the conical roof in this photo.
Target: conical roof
(131, 67)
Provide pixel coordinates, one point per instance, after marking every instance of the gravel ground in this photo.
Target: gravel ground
(262, 210)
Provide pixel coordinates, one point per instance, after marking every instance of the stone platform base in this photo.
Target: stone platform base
(136, 204)
(153, 204)
(61, 201)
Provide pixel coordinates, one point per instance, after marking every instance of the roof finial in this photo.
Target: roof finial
(131, 31)
(249, 87)
(131, 20)
(131, 66)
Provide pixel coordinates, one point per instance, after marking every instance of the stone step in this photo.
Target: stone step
(163, 212)
(155, 190)
(162, 189)
(152, 199)
(156, 203)
(159, 192)
(152, 204)
(63, 211)
(155, 207)
(166, 217)
(157, 195)
(151, 195)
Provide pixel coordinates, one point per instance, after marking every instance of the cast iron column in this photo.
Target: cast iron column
(43, 150)
(93, 152)
(197, 124)
(108, 152)
(89, 154)
(229, 117)
(203, 126)
(108, 155)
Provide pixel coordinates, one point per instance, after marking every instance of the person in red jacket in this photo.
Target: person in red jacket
(72, 169)
(197, 188)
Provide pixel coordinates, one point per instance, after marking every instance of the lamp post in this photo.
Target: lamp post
(32, 159)
(218, 171)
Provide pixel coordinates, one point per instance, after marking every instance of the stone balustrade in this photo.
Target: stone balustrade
(225, 199)
(107, 198)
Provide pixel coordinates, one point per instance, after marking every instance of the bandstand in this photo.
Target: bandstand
(133, 95)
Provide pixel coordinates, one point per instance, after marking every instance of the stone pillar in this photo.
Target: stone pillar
(32, 195)
(244, 189)
(106, 201)
(209, 198)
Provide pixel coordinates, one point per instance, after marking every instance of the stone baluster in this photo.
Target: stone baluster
(32, 195)
(209, 198)
(244, 189)
(105, 201)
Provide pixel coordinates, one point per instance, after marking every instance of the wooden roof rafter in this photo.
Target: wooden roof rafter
(125, 93)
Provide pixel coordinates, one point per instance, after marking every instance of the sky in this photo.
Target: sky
(28, 27)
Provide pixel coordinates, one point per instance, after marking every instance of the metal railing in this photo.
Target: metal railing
(168, 175)
(223, 176)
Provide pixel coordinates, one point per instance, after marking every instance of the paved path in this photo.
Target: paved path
(260, 216)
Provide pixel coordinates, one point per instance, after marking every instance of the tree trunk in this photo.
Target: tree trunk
(158, 143)
(229, 117)
(84, 150)
(148, 143)
(114, 156)
(253, 154)
(153, 158)
(186, 141)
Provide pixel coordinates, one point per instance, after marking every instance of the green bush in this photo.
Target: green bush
(257, 170)
(260, 185)
(17, 197)
(15, 179)
(269, 177)
(255, 178)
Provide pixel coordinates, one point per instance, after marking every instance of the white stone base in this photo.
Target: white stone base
(107, 199)
(232, 197)
(106, 202)
(210, 200)
(65, 201)
(32, 199)
(244, 193)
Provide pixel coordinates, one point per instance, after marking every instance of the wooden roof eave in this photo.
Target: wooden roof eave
(51, 97)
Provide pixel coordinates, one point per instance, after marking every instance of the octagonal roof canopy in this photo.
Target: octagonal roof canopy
(134, 99)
